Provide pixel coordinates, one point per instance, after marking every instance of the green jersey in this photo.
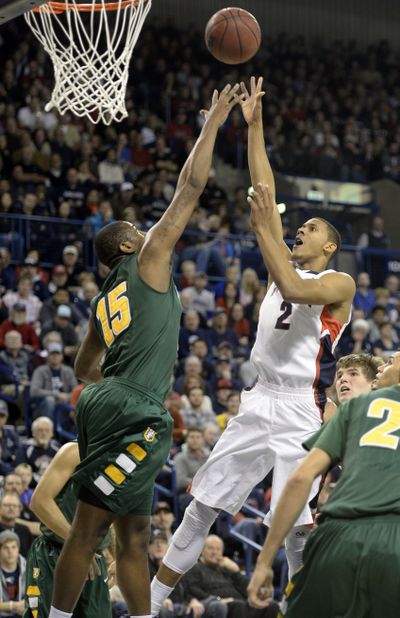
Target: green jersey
(139, 327)
(66, 502)
(364, 435)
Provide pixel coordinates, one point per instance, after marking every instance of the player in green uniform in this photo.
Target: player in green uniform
(352, 559)
(124, 433)
(54, 502)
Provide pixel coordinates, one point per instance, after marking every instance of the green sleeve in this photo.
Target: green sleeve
(331, 438)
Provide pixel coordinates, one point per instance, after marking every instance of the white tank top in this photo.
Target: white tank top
(295, 342)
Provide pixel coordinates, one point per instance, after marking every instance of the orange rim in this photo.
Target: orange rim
(61, 7)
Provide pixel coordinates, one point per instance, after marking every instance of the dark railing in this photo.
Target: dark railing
(51, 234)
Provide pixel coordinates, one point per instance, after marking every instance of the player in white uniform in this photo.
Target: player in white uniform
(301, 319)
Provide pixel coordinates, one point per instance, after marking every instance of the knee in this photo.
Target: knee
(135, 540)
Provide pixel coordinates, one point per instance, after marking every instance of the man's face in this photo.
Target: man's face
(42, 434)
(212, 551)
(61, 297)
(18, 317)
(13, 341)
(70, 258)
(195, 440)
(9, 552)
(233, 403)
(193, 366)
(191, 320)
(158, 549)
(10, 509)
(351, 382)
(363, 280)
(310, 240)
(200, 349)
(388, 373)
(196, 397)
(163, 520)
(13, 482)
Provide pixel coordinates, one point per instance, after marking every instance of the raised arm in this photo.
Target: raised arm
(259, 165)
(330, 289)
(161, 239)
(43, 502)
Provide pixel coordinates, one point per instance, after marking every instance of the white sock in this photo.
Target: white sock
(294, 545)
(147, 616)
(159, 592)
(57, 613)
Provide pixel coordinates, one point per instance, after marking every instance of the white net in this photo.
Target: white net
(90, 46)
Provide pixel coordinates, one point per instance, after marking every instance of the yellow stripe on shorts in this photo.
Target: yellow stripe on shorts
(137, 451)
(114, 474)
(33, 591)
(34, 612)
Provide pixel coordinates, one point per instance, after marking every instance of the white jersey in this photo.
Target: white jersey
(295, 342)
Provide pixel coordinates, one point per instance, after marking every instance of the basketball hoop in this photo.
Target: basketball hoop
(90, 45)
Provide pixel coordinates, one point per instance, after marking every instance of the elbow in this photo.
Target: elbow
(288, 292)
(34, 505)
(300, 479)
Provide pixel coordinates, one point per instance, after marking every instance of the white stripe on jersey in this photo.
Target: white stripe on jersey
(295, 342)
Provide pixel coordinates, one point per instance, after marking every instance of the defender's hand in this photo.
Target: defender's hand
(221, 104)
(260, 589)
(251, 103)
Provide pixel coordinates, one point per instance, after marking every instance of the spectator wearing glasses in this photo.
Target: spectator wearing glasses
(10, 511)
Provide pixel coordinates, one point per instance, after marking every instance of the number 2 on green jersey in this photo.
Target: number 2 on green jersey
(382, 434)
(113, 313)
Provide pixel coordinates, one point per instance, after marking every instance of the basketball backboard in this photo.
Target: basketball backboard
(9, 9)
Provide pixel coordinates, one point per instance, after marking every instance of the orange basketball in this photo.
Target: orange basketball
(233, 35)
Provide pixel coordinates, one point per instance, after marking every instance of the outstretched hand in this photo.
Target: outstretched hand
(251, 103)
(262, 206)
(260, 589)
(221, 104)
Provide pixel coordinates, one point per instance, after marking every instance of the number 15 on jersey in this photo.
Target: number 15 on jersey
(113, 313)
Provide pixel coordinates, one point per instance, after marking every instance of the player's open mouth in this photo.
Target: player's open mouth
(344, 389)
(298, 241)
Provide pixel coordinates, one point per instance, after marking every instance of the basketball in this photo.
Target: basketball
(233, 35)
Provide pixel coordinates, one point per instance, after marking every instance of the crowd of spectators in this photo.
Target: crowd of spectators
(331, 110)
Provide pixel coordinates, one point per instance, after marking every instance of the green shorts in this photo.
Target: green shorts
(350, 570)
(124, 440)
(41, 562)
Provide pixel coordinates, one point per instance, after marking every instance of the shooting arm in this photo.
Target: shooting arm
(87, 362)
(43, 502)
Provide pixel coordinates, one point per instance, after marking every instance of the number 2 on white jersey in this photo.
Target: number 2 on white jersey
(381, 435)
(115, 314)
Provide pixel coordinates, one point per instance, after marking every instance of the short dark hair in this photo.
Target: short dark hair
(108, 240)
(333, 236)
(367, 363)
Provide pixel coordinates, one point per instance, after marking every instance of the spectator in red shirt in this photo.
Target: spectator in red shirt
(17, 321)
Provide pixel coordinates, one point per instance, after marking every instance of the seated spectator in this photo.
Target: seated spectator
(70, 258)
(12, 575)
(89, 289)
(17, 322)
(39, 450)
(110, 171)
(10, 511)
(190, 326)
(219, 578)
(163, 519)
(58, 279)
(173, 404)
(8, 279)
(199, 347)
(223, 389)
(203, 300)
(387, 344)
(192, 381)
(9, 441)
(62, 323)
(102, 217)
(249, 284)
(220, 332)
(364, 297)
(39, 285)
(239, 324)
(13, 482)
(188, 270)
(60, 297)
(24, 471)
(377, 318)
(211, 433)
(52, 384)
(232, 408)
(358, 341)
(15, 357)
(194, 415)
(187, 462)
(24, 296)
(232, 275)
(229, 297)
(192, 366)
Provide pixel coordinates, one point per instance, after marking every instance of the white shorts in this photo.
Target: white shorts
(267, 433)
